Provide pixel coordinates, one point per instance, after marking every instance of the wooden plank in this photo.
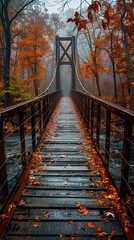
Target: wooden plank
(57, 238)
(41, 202)
(60, 193)
(54, 228)
(27, 214)
(65, 168)
(83, 180)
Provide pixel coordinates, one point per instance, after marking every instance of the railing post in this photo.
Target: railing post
(33, 127)
(57, 62)
(44, 113)
(47, 107)
(107, 139)
(3, 170)
(40, 117)
(22, 136)
(126, 158)
(88, 112)
(85, 109)
(92, 117)
(98, 126)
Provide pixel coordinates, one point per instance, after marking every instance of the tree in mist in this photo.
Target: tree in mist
(9, 11)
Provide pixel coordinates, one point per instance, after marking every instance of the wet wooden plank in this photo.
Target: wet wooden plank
(60, 214)
(29, 192)
(59, 238)
(96, 180)
(41, 202)
(63, 173)
(54, 228)
(65, 168)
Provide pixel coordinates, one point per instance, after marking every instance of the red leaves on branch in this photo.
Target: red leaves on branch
(104, 25)
(90, 16)
(80, 22)
(95, 7)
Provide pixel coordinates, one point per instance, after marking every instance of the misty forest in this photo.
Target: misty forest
(104, 31)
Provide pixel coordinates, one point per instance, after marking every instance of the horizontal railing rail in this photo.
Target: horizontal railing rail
(112, 130)
(21, 127)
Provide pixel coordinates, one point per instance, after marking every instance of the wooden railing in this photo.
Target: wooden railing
(105, 122)
(21, 126)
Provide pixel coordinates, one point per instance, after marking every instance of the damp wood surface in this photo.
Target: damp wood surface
(64, 197)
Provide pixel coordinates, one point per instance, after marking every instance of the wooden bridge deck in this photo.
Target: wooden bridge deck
(64, 197)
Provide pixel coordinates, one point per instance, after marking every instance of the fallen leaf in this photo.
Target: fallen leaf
(4, 216)
(109, 214)
(111, 235)
(11, 206)
(98, 229)
(85, 184)
(78, 204)
(70, 221)
(62, 235)
(20, 217)
(32, 182)
(22, 202)
(32, 178)
(38, 218)
(110, 196)
(90, 224)
(83, 210)
(46, 215)
(63, 156)
(102, 234)
(126, 229)
(36, 225)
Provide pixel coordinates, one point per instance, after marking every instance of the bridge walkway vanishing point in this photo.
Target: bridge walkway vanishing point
(65, 196)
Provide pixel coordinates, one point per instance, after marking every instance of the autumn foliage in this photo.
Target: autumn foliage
(105, 32)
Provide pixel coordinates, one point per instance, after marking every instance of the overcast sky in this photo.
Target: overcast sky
(54, 6)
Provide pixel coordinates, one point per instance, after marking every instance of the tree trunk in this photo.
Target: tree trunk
(128, 55)
(35, 79)
(6, 51)
(114, 76)
(6, 68)
(96, 74)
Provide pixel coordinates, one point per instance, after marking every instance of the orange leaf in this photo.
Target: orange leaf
(70, 20)
(38, 218)
(62, 235)
(111, 196)
(70, 221)
(76, 14)
(90, 224)
(98, 229)
(106, 16)
(126, 229)
(96, 6)
(78, 204)
(102, 234)
(85, 212)
(104, 25)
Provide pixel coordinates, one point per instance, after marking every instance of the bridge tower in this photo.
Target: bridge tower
(65, 55)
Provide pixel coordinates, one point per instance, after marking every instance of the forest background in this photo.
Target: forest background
(105, 41)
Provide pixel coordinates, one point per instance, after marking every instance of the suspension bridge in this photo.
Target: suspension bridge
(64, 176)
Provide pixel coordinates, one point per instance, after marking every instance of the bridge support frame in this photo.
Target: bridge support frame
(65, 55)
